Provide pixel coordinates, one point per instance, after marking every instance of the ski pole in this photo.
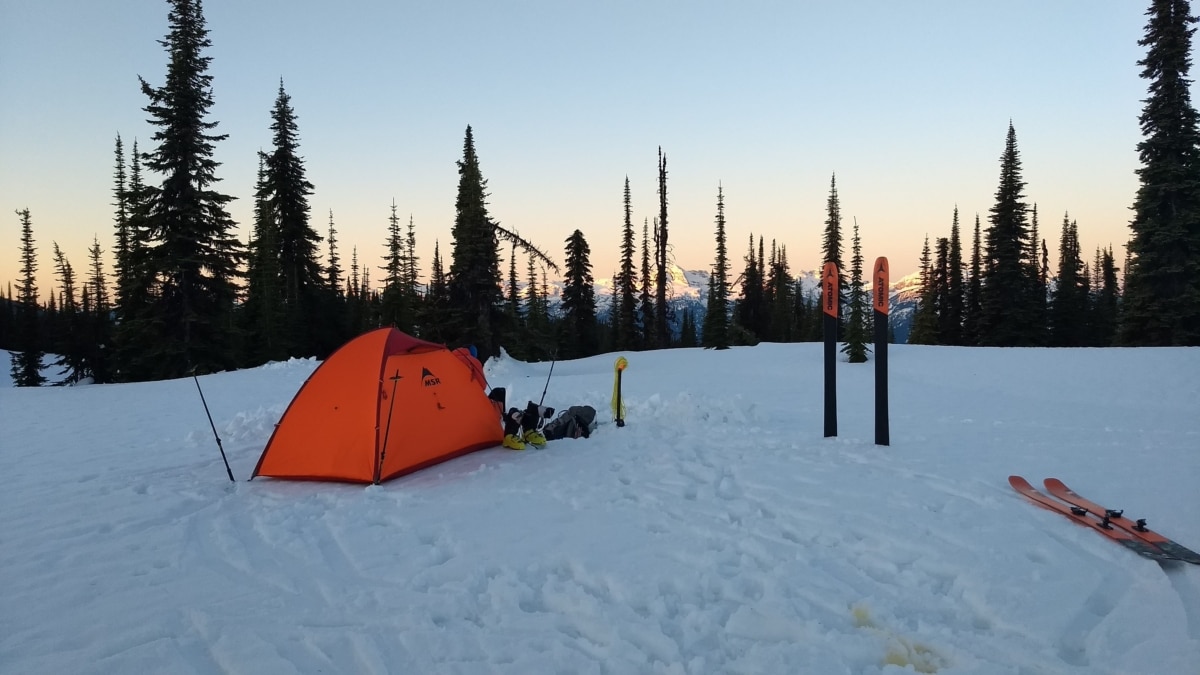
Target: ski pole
(214, 427)
(553, 358)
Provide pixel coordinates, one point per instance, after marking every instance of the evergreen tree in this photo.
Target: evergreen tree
(514, 293)
(715, 333)
(194, 251)
(474, 282)
(661, 319)
(1039, 275)
(337, 329)
(395, 307)
(780, 321)
(648, 313)
(69, 334)
(437, 301)
(625, 292)
(516, 329)
(333, 271)
(1105, 305)
(1162, 293)
(925, 319)
(121, 221)
(98, 320)
(286, 192)
(27, 364)
(955, 309)
(1009, 317)
(750, 307)
(687, 330)
(412, 268)
(8, 320)
(941, 289)
(539, 328)
(973, 304)
(262, 313)
(139, 323)
(831, 246)
(1069, 310)
(857, 331)
(578, 301)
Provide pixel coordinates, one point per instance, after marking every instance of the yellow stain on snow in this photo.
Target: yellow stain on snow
(900, 650)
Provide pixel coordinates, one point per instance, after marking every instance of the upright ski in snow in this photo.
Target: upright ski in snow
(1136, 528)
(1081, 516)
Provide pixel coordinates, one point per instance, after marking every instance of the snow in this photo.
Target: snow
(718, 532)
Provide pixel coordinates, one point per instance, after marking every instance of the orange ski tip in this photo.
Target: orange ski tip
(829, 289)
(881, 284)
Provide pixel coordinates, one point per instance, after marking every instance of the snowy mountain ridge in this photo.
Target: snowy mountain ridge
(688, 289)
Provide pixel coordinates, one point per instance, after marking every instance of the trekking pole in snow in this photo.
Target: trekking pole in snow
(388, 428)
(214, 427)
(881, 289)
(618, 407)
(829, 310)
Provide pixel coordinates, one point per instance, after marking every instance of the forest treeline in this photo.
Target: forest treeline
(186, 296)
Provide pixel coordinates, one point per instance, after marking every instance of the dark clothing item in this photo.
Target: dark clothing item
(578, 421)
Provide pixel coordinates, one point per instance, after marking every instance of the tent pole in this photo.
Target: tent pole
(387, 429)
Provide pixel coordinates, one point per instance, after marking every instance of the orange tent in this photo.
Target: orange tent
(383, 405)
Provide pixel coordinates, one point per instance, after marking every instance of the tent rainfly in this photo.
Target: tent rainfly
(383, 405)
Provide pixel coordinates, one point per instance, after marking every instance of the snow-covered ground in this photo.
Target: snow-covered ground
(718, 532)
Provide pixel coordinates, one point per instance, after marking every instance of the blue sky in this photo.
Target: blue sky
(907, 102)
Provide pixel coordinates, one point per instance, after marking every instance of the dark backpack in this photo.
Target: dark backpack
(574, 422)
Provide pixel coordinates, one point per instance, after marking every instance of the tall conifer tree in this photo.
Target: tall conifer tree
(973, 302)
(662, 273)
(715, 331)
(394, 300)
(1105, 307)
(138, 321)
(831, 245)
(1069, 308)
(333, 270)
(1009, 316)
(70, 335)
(956, 290)
(194, 251)
(1162, 294)
(578, 337)
(925, 321)
(98, 319)
(648, 313)
(263, 309)
(625, 294)
(286, 191)
(26, 367)
(857, 330)
(474, 282)
(121, 221)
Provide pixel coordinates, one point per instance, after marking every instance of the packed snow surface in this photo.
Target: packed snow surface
(718, 532)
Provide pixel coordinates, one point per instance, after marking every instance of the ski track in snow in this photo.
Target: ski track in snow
(709, 535)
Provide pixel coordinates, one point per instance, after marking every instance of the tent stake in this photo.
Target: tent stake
(214, 427)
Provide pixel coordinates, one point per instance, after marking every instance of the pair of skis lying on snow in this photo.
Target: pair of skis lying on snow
(1133, 535)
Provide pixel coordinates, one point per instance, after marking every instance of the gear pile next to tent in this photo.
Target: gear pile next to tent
(383, 405)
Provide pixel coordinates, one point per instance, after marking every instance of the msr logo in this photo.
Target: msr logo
(429, 379)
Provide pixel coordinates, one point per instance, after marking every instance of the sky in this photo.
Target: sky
(718, 531)
(908, 104)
